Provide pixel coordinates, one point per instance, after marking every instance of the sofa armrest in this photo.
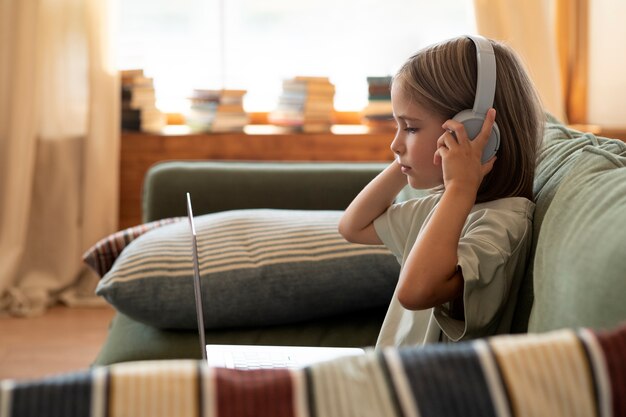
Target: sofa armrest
(219, 186)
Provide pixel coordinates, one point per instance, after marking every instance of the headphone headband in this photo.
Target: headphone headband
(486, 75)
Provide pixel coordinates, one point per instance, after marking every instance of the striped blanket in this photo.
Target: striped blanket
(563, 373)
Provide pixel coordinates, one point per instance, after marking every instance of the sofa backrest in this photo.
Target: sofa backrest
(580, 195)
(219, 186)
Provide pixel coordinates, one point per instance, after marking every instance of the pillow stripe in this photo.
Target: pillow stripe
(163, 270)
(262, 230)
(252, 249)
(184, 243)
(262, 224)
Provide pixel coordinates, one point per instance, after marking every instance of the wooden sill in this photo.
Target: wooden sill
(260, 118)
(266, 129)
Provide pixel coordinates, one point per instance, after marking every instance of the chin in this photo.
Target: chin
(423, 185)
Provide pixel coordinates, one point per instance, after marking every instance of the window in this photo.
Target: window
(254, 45)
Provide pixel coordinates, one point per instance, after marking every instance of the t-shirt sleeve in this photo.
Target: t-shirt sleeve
(489, 255)
(388, 229)
(397, 225)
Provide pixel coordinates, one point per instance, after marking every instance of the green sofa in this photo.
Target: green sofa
(575, 275)
(576, 278)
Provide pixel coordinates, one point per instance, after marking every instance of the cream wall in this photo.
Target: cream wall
(607, 58)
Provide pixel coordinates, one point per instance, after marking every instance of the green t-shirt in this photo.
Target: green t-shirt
(492, 254)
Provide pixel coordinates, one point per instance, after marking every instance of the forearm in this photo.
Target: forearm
(356, 224)
(429, 276)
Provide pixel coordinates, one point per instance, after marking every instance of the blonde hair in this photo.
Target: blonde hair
(443, 77)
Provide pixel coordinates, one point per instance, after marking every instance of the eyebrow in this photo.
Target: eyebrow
(411, 119)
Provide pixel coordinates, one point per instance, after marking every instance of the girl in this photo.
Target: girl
(463, 247)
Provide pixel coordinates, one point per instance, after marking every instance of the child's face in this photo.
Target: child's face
(416, 140)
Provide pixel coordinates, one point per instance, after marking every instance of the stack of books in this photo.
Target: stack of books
(217, 111)
(139, 111)
(305, 104)
(378, 114)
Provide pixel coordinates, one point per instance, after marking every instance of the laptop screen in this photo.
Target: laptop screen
(196, 278)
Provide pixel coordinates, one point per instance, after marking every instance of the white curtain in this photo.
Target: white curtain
(529, 28)
(59, 149)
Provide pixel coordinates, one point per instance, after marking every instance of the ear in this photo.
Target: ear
(473, 124)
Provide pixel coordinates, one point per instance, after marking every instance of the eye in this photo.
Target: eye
(411, 130)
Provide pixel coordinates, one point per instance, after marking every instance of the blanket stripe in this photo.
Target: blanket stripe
(400, 382)
(601, 375)
(493, 377)
(256, 393)
(447, 380)
(552, 369)
(562, 373)
(69, 396)
(382, 360)
(614, 348)
(357, 388)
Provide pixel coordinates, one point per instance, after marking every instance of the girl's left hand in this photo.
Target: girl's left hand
(460, 157)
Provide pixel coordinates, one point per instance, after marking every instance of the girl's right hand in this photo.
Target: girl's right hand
(460, 157)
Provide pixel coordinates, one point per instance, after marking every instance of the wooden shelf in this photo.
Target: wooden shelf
(140, 150)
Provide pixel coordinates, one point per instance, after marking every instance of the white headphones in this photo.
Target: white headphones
(474, 118)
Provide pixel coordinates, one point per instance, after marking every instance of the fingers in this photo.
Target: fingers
(456, 131)
(488, 166)
(448, 139)
(461, 134)
(485, 130)
(439, 154)
(456, 134)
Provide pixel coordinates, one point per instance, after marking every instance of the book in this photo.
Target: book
(312, 88)
(217, 110)
(138, 97)
(378, 113)
(129, 76)
(305, 103)
(146, 119)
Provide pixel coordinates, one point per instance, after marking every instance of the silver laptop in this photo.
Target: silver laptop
(253, 356)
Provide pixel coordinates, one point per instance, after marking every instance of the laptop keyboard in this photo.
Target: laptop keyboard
(259, 360)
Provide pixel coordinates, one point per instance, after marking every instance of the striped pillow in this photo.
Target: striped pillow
(258, 267)
(101, 256)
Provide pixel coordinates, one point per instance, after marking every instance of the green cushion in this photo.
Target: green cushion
(560, 150)
(580, 262)
(130, 340)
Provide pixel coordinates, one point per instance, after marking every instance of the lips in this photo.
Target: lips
(403, 168)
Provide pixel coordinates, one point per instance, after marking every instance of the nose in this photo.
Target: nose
(396, 146)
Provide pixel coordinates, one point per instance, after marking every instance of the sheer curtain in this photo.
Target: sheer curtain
(59, 149)
(551, 36)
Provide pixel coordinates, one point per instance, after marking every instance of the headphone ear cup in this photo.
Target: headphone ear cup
(473, 124)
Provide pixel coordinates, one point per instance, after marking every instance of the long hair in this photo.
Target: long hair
(442, 78)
